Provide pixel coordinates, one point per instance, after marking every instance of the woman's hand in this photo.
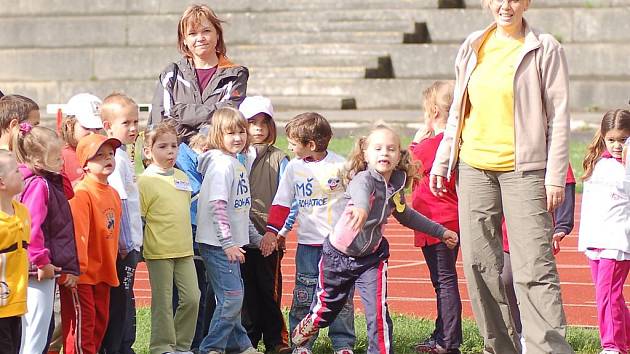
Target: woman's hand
(555, 197)
(235, 254)
(450, 238)
(437, 185)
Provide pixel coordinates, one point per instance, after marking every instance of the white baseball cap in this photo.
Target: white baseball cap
(87, 109)
(252, 105)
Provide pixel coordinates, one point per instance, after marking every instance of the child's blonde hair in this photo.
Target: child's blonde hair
(153, 133)
(440, 96)
(5, 156)
(31, 145)
(613, 119)
(356, 160)
(225, 120)
(199, 142)
(118, 98)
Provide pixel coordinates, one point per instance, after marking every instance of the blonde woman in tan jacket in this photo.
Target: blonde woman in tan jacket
(508, 137)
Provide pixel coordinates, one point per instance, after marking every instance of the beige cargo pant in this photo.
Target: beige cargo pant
(485, 197)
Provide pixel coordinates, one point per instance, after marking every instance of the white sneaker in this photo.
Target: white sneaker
(302, 350)
(609, 351)
(250, 350)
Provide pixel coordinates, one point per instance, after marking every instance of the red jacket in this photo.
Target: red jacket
(442, 210)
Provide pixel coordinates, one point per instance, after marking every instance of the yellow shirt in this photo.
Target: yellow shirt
(15, 231)
(488, 134)
(165, 206)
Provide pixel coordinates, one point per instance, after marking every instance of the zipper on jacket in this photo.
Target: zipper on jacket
(383, 208)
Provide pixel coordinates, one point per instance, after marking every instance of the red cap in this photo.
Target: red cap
(89, 145)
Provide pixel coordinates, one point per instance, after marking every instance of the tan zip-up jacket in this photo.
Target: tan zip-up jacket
(541, 107)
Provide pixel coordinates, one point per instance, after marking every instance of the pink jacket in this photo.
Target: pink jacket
(35, 197)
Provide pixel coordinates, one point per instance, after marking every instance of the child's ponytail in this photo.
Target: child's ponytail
(356, 160)
(31, 145)
(593, 154)
(411, 167)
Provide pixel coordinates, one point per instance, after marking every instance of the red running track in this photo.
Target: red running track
(409, 287)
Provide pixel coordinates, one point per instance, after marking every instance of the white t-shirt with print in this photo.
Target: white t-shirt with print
(225, 179)
(318, 189)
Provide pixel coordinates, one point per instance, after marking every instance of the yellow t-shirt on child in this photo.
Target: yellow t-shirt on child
(165, 206)
(15, 234)
(488, 133)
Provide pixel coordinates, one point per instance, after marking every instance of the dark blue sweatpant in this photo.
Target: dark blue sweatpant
(338, 274)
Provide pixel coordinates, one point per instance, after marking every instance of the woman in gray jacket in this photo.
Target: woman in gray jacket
(508, 136)
(189, 91)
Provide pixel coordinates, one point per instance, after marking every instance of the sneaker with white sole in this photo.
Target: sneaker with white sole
(303, 331)
(609, 351)
(250, 350)
(344, 351)
(302, 350)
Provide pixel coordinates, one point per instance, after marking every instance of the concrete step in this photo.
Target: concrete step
(268, 58)
(605, 60)
(348, 72)
(339, 26)
(585, 95)
(302, 103)
(575, 25)
(297, 38)
(109, 7)
(176, 7)
(585, 61)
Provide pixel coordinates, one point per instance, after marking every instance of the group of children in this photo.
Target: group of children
(210, 218)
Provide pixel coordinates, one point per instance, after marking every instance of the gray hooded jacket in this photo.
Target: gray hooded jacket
(369, 191)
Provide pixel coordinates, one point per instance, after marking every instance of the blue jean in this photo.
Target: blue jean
(225, 330)
(341, 330)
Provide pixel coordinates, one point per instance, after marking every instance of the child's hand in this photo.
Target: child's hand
(235, 254)
(268, 244)
(282, 243)
(555, 243)
(358, 216)
(70, 281)
(47, 272)
(450, 238)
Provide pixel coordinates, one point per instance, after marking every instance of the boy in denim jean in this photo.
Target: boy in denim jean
(313, 179)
